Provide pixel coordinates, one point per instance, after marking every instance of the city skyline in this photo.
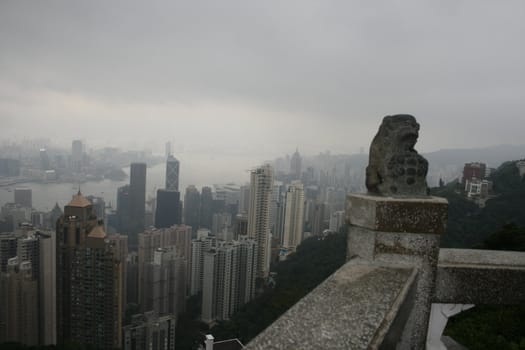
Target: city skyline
(175, 173)
(169, 264)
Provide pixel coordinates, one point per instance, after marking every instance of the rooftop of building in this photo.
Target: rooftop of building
(79, 201)
(97, 232)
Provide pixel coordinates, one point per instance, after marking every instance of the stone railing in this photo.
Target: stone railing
(396, 281)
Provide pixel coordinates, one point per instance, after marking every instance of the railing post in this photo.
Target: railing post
(400, 231)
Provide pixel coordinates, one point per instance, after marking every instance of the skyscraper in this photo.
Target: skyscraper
(28, 286)
(54, 215)
(99, 206)
(219, 283)
(275, 205)
(168, 209)
(241, 225)
(206, 208)
(9, 167)
(318, 220)
(47, 288)
(123, 209)
(294, 216)
(165, 282)
(221, 222)
(8, 247)
(151, 240)
(19, 297)
(228, 278)
(89, 304)
(172, 173)
(199, 246)
(120, 248)
(261, 187)
(247, 266)
(244, 200)
(192, 201)
(24, 197)
(44, 160)
(295, 165)
(167, 149)
(137, 201)
(76, 155)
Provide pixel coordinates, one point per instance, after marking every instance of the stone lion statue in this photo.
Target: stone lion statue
(395, 168)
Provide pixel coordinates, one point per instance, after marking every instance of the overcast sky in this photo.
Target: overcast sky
(262, 77)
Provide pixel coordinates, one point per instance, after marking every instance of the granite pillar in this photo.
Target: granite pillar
(400, 232)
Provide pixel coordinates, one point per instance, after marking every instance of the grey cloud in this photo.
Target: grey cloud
(341, 65)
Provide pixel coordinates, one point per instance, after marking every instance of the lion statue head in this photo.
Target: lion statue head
(395, 167)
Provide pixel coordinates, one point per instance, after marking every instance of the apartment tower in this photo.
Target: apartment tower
(293, 216)
(261, 188)
(137, 201)
(88, 277)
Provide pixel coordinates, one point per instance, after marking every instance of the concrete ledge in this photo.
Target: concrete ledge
(358, 307)
(468, 276)
(393, 214)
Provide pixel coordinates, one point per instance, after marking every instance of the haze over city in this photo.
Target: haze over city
(261, 78)
(252, 175)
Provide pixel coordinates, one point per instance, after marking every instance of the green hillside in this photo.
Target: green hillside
(469, 225)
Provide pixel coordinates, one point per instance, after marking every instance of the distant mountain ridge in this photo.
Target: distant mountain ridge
(445, 163)
(493, 156)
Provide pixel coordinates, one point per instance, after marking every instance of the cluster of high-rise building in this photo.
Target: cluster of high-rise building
(325, 180)
(228, 277)
(131, 204)
(27, 286)
(71, 276)
(223, 273)
(71, 285)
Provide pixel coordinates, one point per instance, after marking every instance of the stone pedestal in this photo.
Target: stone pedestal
(401, 232)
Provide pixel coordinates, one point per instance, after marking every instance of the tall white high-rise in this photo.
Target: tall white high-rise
(248, 263)
(199, 246)
(172, 173)
(164, 291)
(294, 216)
(275, 204)
(261, 188)
(228, 278)
(178, 236)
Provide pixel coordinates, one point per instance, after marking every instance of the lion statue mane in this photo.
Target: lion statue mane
(395, 168)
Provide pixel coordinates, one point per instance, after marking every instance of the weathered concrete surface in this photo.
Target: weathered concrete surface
(419, 250)
(469, 276)
(355, 308)
(390, 214)
(400, 231)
